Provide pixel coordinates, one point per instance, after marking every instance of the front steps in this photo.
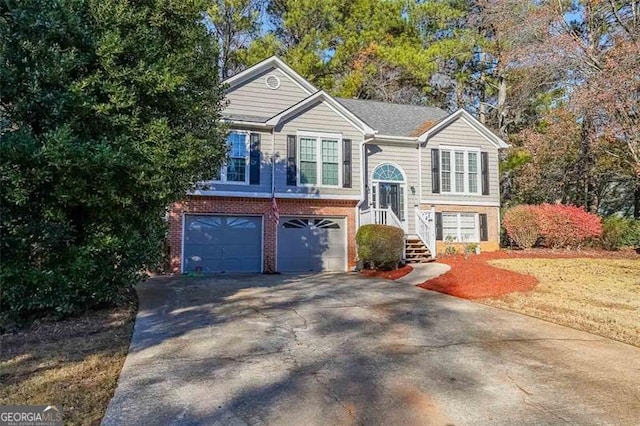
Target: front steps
(416, 251)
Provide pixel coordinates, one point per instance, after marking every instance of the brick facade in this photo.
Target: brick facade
(259, 207)
(493, 224)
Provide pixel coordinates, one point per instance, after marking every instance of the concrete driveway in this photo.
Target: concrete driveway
(342, 349)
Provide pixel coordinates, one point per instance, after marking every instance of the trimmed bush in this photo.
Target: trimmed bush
(620, 232)
(567, 226)
(380, 246)
(551, 225)
(521, 224)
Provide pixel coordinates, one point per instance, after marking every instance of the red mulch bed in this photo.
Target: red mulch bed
(389, 275)
(474, 278)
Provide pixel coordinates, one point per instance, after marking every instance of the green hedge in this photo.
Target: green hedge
(620, 232)
(380, 246)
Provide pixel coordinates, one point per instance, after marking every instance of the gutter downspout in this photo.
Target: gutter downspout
(273, 194)
(419, 174)
(273, 163)
(363, 178)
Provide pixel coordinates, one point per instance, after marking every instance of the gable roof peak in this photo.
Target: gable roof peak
(472, 121)
(270, 62)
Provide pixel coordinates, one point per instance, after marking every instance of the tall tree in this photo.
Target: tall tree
(235, 24)
(109, 113)
(596, 43)
(387, 50)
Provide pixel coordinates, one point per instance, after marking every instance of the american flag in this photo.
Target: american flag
(275, 210)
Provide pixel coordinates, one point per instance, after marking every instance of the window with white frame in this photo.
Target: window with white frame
(463, 164)
(472, 172)
(319, 159)
(461, 227)
(236, 169)
(446, 171)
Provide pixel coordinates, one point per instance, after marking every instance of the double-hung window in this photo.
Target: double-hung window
(459, 170)
(460, 227)
(319, 159)
(446, 171)
(472, 172)
(236, 168)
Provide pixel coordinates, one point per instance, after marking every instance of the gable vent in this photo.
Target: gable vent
(272, 82)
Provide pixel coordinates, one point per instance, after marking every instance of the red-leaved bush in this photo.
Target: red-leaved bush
(567, 226)
(552, 225)
(521, 223)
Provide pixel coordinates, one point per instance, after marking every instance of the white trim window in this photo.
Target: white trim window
(236, 168)
(319, 159)
(459, 170)
(461, 227)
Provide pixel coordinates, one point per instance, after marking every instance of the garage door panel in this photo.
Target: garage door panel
(222, 243)
(311, 244)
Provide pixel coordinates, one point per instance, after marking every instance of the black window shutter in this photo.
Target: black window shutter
(254, 158)
(484, 231)
(346, 163)
(291, 160)
(484, 164)
(435, 171)
(439, 226)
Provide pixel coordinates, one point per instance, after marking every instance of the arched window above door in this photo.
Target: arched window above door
(388, 173)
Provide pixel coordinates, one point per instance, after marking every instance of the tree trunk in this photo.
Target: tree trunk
(584, 169)
(482, 107)
(636, 200)
(502, 101)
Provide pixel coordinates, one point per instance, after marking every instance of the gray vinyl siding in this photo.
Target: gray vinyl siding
(255, 98)
(322, 119)
(266, 144)
(460, 133)
(406, 158)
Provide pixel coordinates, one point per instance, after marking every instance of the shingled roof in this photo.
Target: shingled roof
(394, 119)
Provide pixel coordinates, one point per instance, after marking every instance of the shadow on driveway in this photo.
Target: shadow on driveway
(343, 349)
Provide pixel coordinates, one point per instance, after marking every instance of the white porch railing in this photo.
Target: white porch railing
(426, 229)
(384, 216)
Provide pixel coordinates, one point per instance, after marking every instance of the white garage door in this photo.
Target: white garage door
(222, 244)
(312, 244)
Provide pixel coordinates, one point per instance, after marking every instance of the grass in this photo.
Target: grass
(74, 363)
(600, 296)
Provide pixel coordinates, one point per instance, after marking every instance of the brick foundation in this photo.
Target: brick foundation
(259, 207)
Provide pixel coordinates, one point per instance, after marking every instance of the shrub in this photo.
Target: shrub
(567, 226)
(619, 232)
(380, 246)
(522, 226)
(632, 238)
(471, 248)
(614, 229)
(551, 225)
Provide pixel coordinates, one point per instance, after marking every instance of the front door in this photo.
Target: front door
(390, 197)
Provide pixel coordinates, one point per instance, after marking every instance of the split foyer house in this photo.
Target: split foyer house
(305, 170)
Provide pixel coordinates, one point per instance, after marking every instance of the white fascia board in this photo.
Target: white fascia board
(253, 124)
(461, 203)
(292, 195)
(308, 196)
(214, 193)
